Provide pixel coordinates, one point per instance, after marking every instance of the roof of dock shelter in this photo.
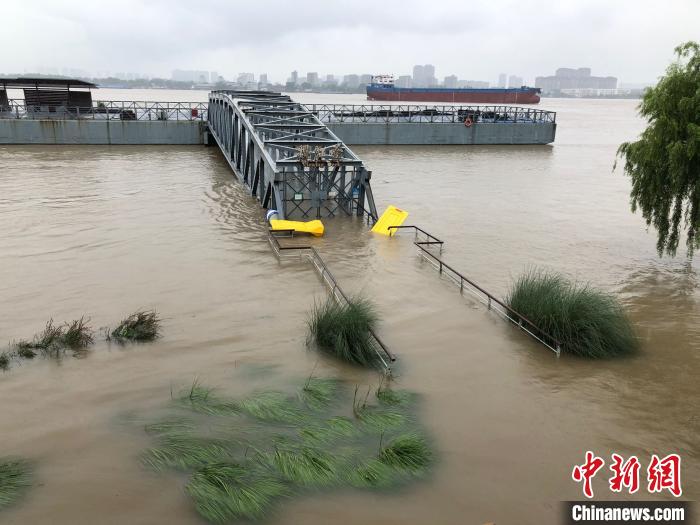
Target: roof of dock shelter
(44, 82)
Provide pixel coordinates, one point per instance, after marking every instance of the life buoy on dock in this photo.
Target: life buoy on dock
(468, 122)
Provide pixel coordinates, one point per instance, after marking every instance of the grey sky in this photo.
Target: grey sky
(474, 39)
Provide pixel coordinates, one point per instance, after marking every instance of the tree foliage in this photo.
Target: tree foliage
(664, 164)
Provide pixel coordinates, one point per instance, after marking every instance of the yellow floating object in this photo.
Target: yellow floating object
(393, 216)
(315, 228)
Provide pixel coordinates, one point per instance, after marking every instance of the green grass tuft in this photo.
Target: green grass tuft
(587, 321)
(345, 330)
(15, 479)
(223, 492)
(51, 339)
(170, 426)
(139, 326)
(200, 398)
(25, 350)
(389, 397)
(318, 393)
(4, 361)
(329, 431)
(185, 451)
(78, 335)
(379, 420)
(271, 406)
(409, 452)
(372, 474)
(306, 466)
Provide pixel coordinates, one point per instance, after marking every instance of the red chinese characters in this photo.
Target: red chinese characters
(665, 473)
(625, 474)
(587, 471)
(662, 473)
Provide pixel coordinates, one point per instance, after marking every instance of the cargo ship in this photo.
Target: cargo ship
(383, 88)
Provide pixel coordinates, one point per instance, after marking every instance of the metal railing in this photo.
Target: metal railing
(480, 293)
(327, 277)
(107, 110)
(385, 113)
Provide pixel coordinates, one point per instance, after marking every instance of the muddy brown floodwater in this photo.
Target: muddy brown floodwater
(104, 231)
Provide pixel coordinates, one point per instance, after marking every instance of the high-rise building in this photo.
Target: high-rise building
(312, 78)
(515, 81)
(185, 75)
(424, 76)
(502, 80)
(294, 79)
(429, 71)
(246, 78)
(213, 77)
(418, 76)
(568, 78)
(351, 81)
(404, 81)
(263, 80)
(366, 78)
(450, 82)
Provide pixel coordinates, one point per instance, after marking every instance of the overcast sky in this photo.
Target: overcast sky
(474, 39)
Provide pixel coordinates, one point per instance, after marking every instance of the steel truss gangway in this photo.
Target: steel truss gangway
(287, 158)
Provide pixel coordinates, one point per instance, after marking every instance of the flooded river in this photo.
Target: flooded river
(103, 231)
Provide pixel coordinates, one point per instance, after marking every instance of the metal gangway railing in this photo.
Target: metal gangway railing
(310, 253)
(487, 298)
(389, 113)
(107, 110)
(287, 158)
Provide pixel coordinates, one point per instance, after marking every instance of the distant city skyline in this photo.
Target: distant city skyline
(632, 40)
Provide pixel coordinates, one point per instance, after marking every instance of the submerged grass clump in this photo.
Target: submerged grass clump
(344, 330)
(15, 479)
(246, 457)
(588, 322)
(222, 491)
(140, 326)
(78, 335)
(409, 452)
(50, 339)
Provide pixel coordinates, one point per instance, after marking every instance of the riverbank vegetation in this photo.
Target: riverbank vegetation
(15, 479)
(588, 322)
(140, 326)
(55, 339)
(245, 456)
(345, 330)
(663, 163)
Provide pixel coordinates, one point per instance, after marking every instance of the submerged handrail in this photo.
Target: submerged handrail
(327, 277)
(483, 295)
